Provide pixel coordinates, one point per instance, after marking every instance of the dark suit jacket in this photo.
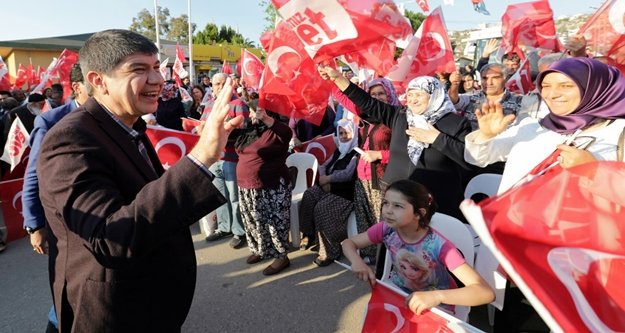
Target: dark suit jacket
(122, 257)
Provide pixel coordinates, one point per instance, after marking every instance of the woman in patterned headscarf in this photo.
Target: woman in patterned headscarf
(427, 142)
(326, 206)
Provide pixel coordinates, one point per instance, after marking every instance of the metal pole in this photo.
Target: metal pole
(191, 68)
(158, 37)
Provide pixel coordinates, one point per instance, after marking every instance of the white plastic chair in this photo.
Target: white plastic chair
(457, 233)
(487, 183)
(486, 265)
(303, 162)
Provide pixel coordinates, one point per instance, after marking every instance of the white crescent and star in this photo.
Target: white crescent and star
(400, 318)
(170, 140)
(441, 43)
(16, 197)
(274, 56)
(317, 145)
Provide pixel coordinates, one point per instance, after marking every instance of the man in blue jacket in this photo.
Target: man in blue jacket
(34, 218)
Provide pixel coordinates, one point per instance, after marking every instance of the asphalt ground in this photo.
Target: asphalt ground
(230, 295)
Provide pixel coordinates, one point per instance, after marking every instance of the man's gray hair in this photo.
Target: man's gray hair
(223, 76)
(496, 66)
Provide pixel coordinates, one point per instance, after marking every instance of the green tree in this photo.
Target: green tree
(210, 35)
(179, 29)
(415, 19)
(225, 34)
(145, 24)
(270, 14)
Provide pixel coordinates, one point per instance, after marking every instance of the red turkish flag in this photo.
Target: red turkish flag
(569, 225)
(5, 82)
(529, 24)
(251, 69)
(21, 77)
(378, 56)
(427, 53)
(62, 69)
(225, 68)
(605, 32)
(521, 81)
(331, 28)
(290, 83)
(11, 201)
(386, 312)
(178, 67)
(322, 147)
(33, 79)
(423, 4)
(171, 145)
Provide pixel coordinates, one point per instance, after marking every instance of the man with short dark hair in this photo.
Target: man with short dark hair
(56, 95)
(121, 253)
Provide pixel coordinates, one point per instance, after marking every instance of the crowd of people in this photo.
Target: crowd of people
(111, 218)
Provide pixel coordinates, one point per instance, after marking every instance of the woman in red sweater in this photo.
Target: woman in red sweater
(264, 191)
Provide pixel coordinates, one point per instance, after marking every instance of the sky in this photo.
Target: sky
(23, 19)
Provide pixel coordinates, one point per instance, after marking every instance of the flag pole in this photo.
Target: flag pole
(158, 37)
(191, 69)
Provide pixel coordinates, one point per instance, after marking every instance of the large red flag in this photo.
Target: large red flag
(21, 77)
(291, 84)
(251, 69)
(521, 81)
(11, 201)
(427, 53)
(322, 147)
(59, 68)
(386, 312)
(529, 24)
(560, 238)
(178, 67)
(171, 145)
(331, 28)
(605, 32)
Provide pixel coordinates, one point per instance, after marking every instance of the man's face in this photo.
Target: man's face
(80, 92)
(511, 65)
(206, 80)
(19, 95)
(57, 97)
(493, 82)
(218, 84)
(132, 88)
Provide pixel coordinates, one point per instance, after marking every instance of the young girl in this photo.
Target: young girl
(406, 210)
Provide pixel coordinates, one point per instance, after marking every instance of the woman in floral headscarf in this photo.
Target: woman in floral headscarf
(326, 206)
(427, 142)
(170, 108)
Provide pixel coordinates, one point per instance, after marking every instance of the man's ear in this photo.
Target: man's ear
(97, 82)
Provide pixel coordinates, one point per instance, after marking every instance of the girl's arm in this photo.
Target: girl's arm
(359, 267)
(475, 292)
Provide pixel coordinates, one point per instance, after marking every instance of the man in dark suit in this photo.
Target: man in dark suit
(121, 253)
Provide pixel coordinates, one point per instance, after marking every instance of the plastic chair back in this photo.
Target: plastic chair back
(303, 162)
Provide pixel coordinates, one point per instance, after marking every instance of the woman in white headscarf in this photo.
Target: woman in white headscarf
(326, 206)
(427, 141)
